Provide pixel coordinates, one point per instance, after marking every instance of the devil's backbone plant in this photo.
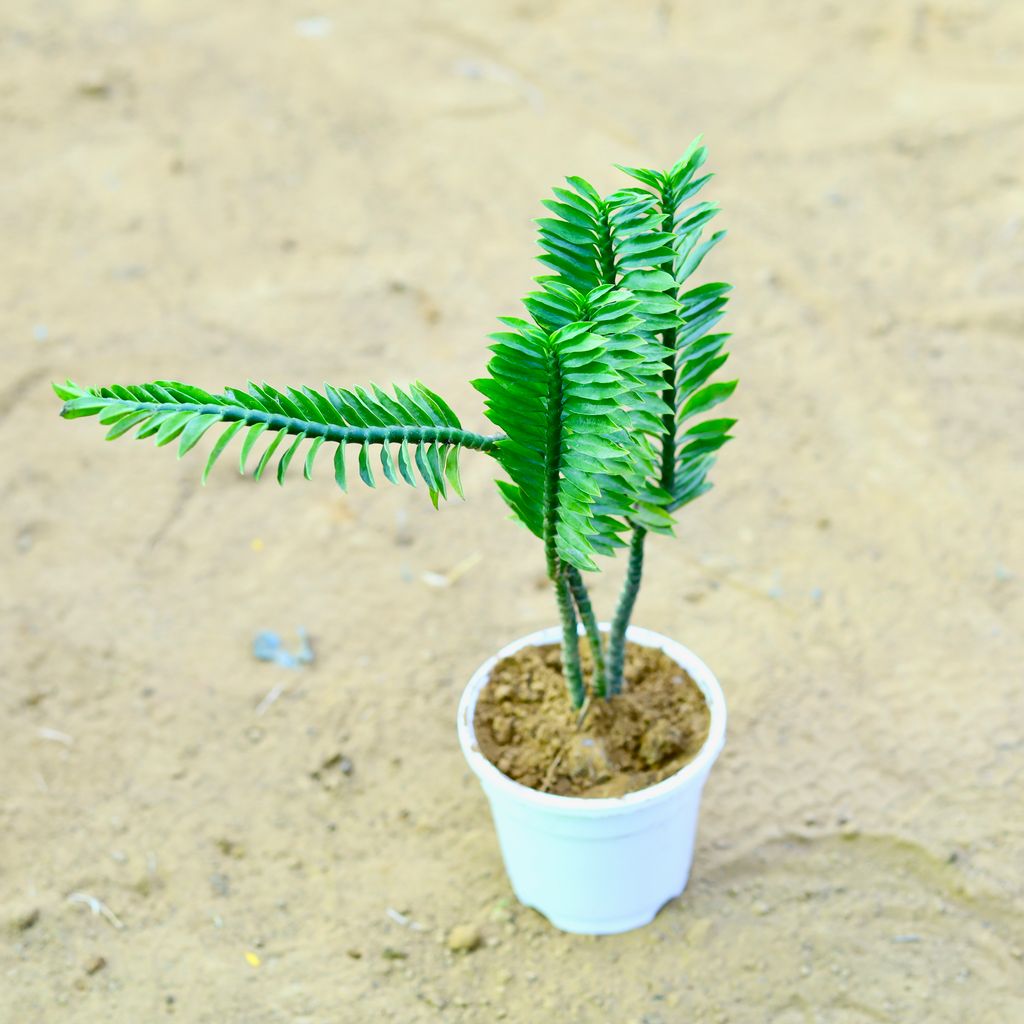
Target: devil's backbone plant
(600, 393)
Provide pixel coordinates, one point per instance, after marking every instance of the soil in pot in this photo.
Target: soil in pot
(526, 727)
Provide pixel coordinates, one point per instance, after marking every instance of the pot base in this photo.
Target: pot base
(604, 927)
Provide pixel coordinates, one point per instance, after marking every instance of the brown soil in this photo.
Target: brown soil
(526, 726)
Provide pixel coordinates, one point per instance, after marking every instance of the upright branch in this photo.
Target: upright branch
(622, 240)
(624, 611)
(572, 401)
(581, 599)
(692, 356)
(557, 570)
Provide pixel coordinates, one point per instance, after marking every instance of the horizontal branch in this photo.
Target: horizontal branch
(293, 425)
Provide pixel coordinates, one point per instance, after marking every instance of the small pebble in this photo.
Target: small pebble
(464, 938)
(94, 86)
(659, 743)
(230, 848)
(21, 922)
(96, 964)
(587, 761)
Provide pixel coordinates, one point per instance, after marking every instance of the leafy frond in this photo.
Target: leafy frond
(699, 355)
(693, 352)
(647, 240)
(578, 403)
(620, 241)
(412, 432)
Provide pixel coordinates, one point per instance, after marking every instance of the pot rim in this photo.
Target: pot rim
(581, 806)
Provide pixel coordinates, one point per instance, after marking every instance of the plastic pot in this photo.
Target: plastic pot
(603, 865)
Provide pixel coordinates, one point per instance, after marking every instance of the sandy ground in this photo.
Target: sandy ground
(345, 191)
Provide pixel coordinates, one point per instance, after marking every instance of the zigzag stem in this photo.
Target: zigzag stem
(329, 431)
(606, 248)
(586, 610)
(668, 339)
(556, 568)
(623, 614)
(570, 642)
(627, 598)
(577, 587)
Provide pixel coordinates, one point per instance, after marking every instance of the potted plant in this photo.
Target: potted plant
(592, 741)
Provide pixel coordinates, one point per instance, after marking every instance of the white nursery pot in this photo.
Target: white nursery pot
(603, 865)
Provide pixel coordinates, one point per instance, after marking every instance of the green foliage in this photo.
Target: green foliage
(605, 391)
(578, 404)
(414, 432)
(649, 240)
(698, 355)
(688, 447)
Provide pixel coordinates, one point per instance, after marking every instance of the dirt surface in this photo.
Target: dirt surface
(527, 727)
(345, 192)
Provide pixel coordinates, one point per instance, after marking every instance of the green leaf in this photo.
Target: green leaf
(424, 467)
(87, 405)
(451, 470)
(434, 461)
(275, 443)
(220, 445)
(66, 392)
(365, 472)
(405, 463)
(339, 467)
(707, 398)
(387, 463)
(570, 214)
(652, 179)
(250, 439)
(125, 423)
(194, 430)
(112, 413)
(282, 466)
(585, 189)
(307, 469)
(172, 426)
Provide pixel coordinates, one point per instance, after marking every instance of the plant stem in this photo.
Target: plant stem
(344, 434)
(557, 570)
(586, 610)
(624, 612)
(667, 476)
(606, 250)
(570, 641)
(668, 420)
(627, 599)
